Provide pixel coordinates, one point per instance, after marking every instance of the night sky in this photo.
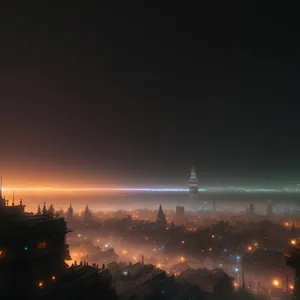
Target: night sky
(123, 93)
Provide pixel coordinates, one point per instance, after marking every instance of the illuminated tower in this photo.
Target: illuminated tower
(161, 220)
(193, 182)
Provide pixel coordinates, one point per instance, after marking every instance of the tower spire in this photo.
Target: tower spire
(193, 182)
(13, 199)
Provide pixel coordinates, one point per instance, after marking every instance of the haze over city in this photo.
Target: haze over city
(149, 151)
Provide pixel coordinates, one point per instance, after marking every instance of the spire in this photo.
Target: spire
(39, 212)
(160, 211)
(87, 217)
(193, 182)
(70, 209)
(44, 211)
(161, 217)
(51, 209)
(13, 199)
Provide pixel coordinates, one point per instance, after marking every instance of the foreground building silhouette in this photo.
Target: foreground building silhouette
(32, 259)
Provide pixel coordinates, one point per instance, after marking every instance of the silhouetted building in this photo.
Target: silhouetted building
(179, 218)
(87, 216)
(32, 259)
(161, 220)
(251, 209)
(69, 215)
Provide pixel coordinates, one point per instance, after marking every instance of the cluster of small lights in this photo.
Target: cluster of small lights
(40, 283)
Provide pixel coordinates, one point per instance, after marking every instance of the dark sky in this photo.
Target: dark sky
(136, 93)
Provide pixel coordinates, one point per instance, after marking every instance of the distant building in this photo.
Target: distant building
(87, 216)
(69, 215)
(161, 219)
(179, 218)
(251, 209)
(180, 211)
(193, 182)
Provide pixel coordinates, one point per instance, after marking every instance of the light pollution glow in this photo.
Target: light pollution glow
(132, 189)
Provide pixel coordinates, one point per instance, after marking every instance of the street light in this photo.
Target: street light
(275, 282)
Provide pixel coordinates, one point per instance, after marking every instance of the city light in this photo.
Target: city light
(213, 236)
(182, 258)
(249, 248)
(53, 277)
(40, 284)
(236, 270)
(275, 282)
(124, 251)
(182, 242)
(293, 242)
(291, 287)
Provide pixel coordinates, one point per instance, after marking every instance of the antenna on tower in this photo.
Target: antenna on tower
(13, 199)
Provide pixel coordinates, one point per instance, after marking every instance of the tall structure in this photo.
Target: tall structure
(179, 218)
(161, 220)
(87, 216)
(193, 182)
(69, 215)
(251, 209)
